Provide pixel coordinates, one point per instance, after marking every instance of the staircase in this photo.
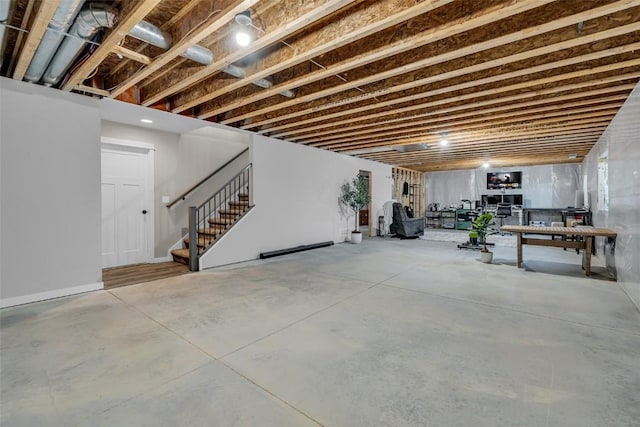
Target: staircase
(219, 224)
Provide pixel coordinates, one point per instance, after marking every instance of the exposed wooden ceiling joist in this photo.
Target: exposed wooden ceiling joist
(505, 79)
(133, 16)
(39, 27)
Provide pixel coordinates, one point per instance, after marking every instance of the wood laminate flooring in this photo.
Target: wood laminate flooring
(132, 274)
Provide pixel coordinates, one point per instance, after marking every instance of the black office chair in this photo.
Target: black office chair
(502, 211)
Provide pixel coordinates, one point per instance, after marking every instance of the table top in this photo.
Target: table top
(574, 231)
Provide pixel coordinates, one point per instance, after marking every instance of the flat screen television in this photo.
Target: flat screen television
(498, 180)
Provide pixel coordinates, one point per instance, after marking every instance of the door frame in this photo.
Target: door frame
(126, 145)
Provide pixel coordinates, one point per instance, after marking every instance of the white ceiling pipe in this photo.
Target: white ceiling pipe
(53, 37)
(88, 22)
(4, 18)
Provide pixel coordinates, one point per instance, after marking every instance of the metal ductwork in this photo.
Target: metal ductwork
(56, 52)
(153, 35)
(238, 72)
(60, 23)
(88, 22)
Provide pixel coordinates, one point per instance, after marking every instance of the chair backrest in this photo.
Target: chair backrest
(503, 209)
(398, 212)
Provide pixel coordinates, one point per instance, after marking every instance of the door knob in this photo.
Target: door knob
(144, 211)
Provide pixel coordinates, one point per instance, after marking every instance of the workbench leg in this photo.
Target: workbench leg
(587, 255)
(519, 250)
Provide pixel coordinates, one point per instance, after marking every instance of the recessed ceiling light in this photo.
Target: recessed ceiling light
(444, 142)
(146, 120)
(243, 39)
(573, 156)
(485, 165)
(443, 139)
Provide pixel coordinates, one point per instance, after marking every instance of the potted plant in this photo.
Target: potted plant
(473, 237)
(355, 194)
(480, 226)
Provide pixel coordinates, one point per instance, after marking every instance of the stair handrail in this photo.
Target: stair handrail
(184, 195)
(221, 198)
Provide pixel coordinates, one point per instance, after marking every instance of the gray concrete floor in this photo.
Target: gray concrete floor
(390, 332)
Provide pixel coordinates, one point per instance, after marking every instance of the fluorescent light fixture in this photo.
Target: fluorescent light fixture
(573, 156)
(485, 165)
(243, 39)
(146, 120)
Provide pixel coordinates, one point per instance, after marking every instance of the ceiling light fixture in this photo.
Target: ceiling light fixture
(243, 39)
(146, 120)
(573, 156)
(485, 165)
(443, 139)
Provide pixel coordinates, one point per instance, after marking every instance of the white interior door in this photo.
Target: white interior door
(125, 210)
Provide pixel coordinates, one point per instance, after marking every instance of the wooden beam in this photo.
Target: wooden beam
(450, 29)
(472, 147)
(375, 118)
(523, 117)
(23, 24)
(39, 27)
(139, 10)
(503, 111)
(127, 53)
(330, 37)
(211, 25)
(478, 137)
(449, 75)
(427, 94)
(94, 90)
(174, 19)
(447, 56)
(291, 27)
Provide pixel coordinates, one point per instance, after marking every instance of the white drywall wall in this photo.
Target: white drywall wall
(622, 148)
(296, 191)
(50, 191)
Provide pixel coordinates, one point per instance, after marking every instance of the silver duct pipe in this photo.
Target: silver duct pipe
(153, 35)
(88, 22)
(239, 73)
(60, 23)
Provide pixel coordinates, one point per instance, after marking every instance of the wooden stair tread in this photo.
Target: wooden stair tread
(221, 221)
(181, 255)
(202, 241)
(213, 231)
(241, 203)
(230, 211)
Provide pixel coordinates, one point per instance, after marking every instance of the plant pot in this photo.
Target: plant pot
(486, 257)
(356, 237)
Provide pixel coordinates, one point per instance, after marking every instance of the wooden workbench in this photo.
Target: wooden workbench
(587, 233)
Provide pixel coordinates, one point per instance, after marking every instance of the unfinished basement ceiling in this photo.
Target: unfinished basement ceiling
(509, 82)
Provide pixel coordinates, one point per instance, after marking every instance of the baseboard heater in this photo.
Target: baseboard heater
(300, 248)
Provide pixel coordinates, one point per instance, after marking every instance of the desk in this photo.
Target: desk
(589, 233)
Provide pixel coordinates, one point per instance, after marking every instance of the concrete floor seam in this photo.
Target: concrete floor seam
(270, 334)
(270, 393)
(212, 357)
(542, 316)
(205, 352)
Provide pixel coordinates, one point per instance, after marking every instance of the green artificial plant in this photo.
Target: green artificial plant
(480, 226)
(355, 194)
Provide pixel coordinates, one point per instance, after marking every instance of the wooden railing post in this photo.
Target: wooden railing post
(193, 239)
